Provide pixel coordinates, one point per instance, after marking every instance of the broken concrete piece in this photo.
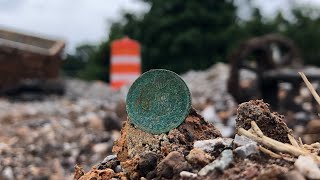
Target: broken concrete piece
(308, 167)
(219, 164)
(211, 145)
(271, 124)
(241, 140)
(247, 150)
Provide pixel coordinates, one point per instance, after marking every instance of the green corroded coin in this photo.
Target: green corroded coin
(158, 101)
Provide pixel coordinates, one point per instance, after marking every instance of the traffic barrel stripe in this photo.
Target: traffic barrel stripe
(125, 68)
(125, 59)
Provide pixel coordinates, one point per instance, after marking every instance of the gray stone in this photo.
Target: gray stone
(219, 164)
(118, 169)
(246, 150)
(213, 144)
(242, 140)
(308, 167)
(109, 158)
(226, 131)
(210, 115)
(110, 161)
(8, 173)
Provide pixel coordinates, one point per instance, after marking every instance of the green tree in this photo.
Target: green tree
(181, 35)
(75, 63)
(305, 31)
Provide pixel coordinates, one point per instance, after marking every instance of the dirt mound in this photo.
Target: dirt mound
(270, 123)
(196, 150)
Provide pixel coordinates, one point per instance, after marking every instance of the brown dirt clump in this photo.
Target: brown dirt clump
(93, 174)
(135, 142)
(270, 123)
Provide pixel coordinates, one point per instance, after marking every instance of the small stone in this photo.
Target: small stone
(8, 173)
(118, 169)
(101, 148)
(246, 150)
(313, 127)
(226, 131)
(210, 115)
(241, 140)
(95, 122)
(109, 162)
(186, 174)
(172, 165)
(147, 163)
(219, 164)
(112, 122)
(294, 175)
(198, 157)
(212, 145)
(308, 167)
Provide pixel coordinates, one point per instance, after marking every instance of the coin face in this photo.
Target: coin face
(158, 101)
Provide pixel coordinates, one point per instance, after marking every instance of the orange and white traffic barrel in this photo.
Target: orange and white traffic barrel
(125, 62)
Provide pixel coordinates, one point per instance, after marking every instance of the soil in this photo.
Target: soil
(271, 123)
(172, 155)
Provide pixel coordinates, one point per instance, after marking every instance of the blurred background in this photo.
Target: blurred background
(66, 67)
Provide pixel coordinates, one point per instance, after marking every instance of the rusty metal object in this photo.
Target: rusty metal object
(260, 48)
(26, 57)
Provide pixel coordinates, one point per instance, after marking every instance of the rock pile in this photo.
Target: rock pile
(45, 139)
(202, 84)
(196, 150)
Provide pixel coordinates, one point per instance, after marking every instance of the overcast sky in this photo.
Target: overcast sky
(88, 21)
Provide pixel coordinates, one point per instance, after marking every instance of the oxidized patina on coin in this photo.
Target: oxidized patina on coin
(158, 101)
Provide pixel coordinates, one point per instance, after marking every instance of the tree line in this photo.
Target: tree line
(181, 35)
